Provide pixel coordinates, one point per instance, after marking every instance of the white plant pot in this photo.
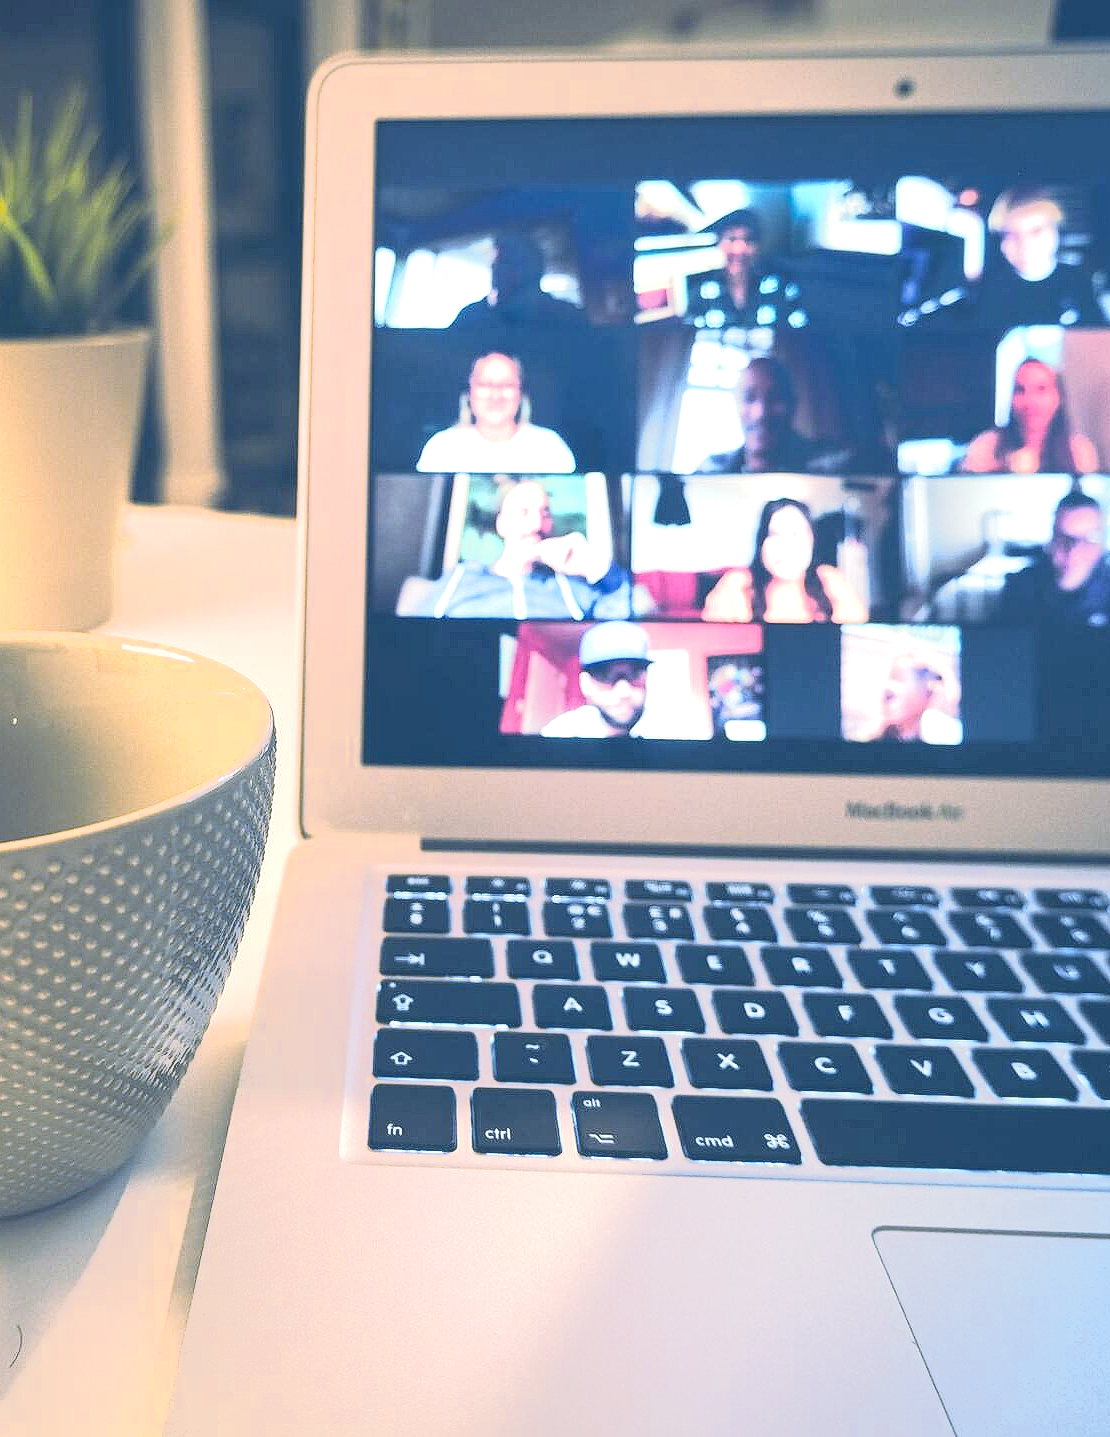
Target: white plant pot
(69, 421)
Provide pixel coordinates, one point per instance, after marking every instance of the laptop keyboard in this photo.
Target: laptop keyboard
(665, 1023)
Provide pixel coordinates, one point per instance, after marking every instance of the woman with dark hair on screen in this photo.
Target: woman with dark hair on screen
(1038, 438)
(784, 584)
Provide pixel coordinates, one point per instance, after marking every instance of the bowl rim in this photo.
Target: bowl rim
(228, 677)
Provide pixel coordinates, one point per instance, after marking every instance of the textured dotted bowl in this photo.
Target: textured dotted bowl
(135, 792)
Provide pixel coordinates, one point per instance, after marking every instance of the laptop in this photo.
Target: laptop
(689, 1007)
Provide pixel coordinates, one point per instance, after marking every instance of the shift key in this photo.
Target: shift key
(459, 1004)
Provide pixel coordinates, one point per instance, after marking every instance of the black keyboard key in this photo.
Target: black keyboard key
(532, 1058)
(988, 898)
(978, 971)
(801, 967)
(485, 885)
(618, 1125)
(946, 1019)
(1098, 1015)
(496, 915)
(558, 1005)
(576, 920)
(627, 962)
(442, 1001)
(754, 1011)
(734, 1130)
(437, 957)
(823, 1068)
(414, 1053)
(714, 963)
(739, 892)
(904, 895)
(913, 927)
(416, 915)
(1034, 1020)
(822, 925)
(932, 1072)
(663, 1010)
(1072, 930)
(855, 1015)
(581, 888)
(1023, 1073)
(739, 922)
(629, 1062)
(506, 1120)
(891, 969)
(412, 1119)
(726, 1063)
(555, 958)
(657, 920)
(416, 885)
(969, 1137)
(990, 930)
(819, 895)
(1085, 899)
(1095, 1068)
(658, 890)
(1066, 973)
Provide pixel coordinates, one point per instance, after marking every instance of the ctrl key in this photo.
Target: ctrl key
(411, 1119)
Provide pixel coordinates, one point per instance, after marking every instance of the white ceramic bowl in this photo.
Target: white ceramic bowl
(135, 792)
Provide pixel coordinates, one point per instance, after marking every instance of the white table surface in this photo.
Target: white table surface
(94, 1292)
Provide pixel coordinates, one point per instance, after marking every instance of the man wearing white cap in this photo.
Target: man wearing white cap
(613, 667)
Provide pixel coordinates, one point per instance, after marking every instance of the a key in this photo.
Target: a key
(889, 968)
(713, 963)
(939, 1017)
(663, 1010)
(1095, 1068)
(1072, 930)
(726, 1063)
(576, 920)
(739, 892)
(658, 890)
(855, 1015)
(1098, 1015)
(508, 1120)
(618, 1125)
(988, 898)
(627, 962)
(1085, 899)
(413, 1053)
(978, 971)
(483, 885)
(800, 967)
(416, 915)
(822, 925)
(990, 930)
(970, 1137)
(913, 927)
(823, 1068)
(629, 1062)
(1034, 1020)
(1066, 973)
(496, 915)
(657, 920)
(821, 895)
(581, 1005)
(411, 1118)
(932, 1071)
(739, 921)
(579, 888)
(532, 1058)
(754, 1011)
(1023, 1073)
(416, 885)
(555, 958)
(734, 1130)
(437, 957)
(432, 1000)
(904, 895)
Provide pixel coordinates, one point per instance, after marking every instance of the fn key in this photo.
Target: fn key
(412, 1119)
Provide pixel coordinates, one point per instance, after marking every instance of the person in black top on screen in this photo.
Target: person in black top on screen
(1027, 281)
(1067, 585)
(766, 401)
(515, 300)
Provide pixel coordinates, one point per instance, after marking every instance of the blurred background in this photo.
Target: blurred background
(206, 100)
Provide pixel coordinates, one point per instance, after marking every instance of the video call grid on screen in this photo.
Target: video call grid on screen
(770, 443)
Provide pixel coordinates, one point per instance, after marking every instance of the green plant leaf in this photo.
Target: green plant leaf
(32, 260)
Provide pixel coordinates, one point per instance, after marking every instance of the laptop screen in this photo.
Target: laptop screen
(714, 444)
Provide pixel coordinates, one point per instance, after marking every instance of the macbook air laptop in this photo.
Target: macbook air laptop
(689, 1007)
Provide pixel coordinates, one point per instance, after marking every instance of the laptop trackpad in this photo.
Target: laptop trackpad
(1014, 1328)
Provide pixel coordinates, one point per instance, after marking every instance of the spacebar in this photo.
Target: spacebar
(1016, 1138)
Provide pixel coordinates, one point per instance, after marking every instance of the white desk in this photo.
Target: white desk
(94, 1293)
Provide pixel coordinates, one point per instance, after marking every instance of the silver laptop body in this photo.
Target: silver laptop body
(815, 987)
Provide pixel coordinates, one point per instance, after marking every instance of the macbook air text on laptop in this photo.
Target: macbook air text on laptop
(690, 1007)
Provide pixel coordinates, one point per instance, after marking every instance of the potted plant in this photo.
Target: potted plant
(73, 245)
